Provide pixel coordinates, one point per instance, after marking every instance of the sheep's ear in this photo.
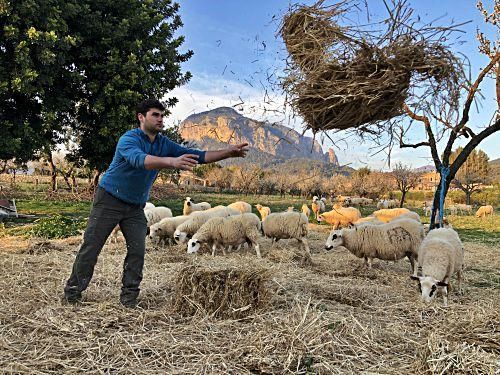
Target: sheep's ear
(334, 236)
(415, 277)
(441, 283)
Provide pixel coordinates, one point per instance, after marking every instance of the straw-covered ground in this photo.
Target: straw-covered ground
(326, 317)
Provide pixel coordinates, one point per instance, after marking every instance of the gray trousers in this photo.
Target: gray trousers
(107, 212)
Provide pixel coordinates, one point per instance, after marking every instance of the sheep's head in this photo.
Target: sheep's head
(258, 206)
(154, 233)
(321, 218)
(180, 237)
(315, 198)
(428, 286)
(334, 240)
(193, 246)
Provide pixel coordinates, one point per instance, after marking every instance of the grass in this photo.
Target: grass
(470, 228)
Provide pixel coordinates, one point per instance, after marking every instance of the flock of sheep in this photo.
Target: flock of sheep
(387, 234)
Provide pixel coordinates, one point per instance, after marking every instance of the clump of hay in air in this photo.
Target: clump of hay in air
(224, 290)
(341, 77)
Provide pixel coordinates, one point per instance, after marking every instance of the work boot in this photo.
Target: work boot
(129, 303)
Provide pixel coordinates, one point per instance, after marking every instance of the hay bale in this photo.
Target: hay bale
(342, 78)
(224, 289)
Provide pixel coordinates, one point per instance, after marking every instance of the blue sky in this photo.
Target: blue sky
(236, 48)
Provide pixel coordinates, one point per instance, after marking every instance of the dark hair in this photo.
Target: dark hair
(144, 106)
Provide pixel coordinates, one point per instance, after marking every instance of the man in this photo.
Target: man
(123, 192)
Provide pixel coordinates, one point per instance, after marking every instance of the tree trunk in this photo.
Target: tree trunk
(402, 199)
(53, 172)
(95, 180)
(435, 205)
(468, 193)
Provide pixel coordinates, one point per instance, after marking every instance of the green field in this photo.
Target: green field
(470, 228)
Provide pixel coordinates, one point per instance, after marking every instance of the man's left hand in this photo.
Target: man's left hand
(238, 151)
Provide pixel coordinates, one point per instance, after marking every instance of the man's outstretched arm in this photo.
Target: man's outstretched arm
(233, 151)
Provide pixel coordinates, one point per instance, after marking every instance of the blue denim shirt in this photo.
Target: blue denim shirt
(126, 178)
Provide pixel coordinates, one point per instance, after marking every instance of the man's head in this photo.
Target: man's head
(150, 114)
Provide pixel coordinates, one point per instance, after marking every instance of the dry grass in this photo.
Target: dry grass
(328, 317)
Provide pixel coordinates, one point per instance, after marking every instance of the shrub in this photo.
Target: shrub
(57, 227)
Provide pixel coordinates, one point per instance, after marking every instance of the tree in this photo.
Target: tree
(406, 179)
(472, 174)
(126, 52)
(452, 117)
(221, 177)
(38, 76)
(359, 180)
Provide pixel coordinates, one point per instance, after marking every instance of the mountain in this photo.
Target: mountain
(270, 144)
(425, 169)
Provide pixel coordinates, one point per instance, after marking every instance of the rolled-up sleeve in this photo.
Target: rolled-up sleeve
(130, 148)
(176, 150)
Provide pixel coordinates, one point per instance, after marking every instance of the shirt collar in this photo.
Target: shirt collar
(146, 137)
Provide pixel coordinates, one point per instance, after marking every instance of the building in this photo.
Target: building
(428, 181)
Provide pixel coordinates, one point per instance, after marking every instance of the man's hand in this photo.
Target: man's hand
(185, 162)
(238, 151)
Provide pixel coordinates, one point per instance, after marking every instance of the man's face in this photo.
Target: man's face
(153, 121)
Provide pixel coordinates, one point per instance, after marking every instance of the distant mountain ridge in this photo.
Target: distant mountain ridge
(270, 144)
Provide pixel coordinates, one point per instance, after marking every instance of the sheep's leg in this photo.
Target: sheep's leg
(306, 247)
(214, 247)
(459, 278)
(257, 250)
(224, 250)
(368, 262)
(445, 296)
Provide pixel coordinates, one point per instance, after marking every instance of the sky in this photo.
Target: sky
(237, 53)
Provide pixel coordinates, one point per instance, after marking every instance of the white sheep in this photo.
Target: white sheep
(241, 206)
(483, 211)
(407, 215)
(306, 211)
(190, 206)
(441, 254)
(155, 214)
(290, 209)
(148, 206)
(163, 231)
(263, 210)
(227, 231)
(368, 220)
(284, 225)
(391, 241)
(464, 208)
(185, 230)
(318, 206)
(340, 216)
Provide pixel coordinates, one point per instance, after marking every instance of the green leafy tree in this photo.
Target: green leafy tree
(37, 76)
(127, 52)
(472, 174)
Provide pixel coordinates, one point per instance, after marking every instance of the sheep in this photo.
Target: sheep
(408, 215)
(391, 241)
(368, 220)
(441, 254)
(484, 210)
(283, 225)
(227, 231)
(241, 206)
(387, 215)
(340, 216)
(305, 210)
(452, 210)
(387, 203)
(190, 206)
(153, 215)
(263, 210)
(318, 206)
(148, 206)
(464, 208)
(164, 230)
(185, 231)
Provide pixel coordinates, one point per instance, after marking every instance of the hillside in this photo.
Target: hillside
(495, 170)
(270, 144)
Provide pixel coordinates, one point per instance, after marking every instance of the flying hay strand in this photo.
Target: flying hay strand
(340, 78)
